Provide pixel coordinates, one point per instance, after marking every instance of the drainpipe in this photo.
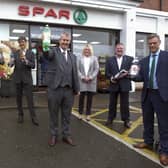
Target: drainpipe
(161, 4)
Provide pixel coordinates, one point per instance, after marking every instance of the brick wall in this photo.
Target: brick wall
(165, 5)
(155, 5)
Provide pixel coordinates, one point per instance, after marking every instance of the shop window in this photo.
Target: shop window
(9, 35)
(166, 42)
(36, 45)
(103, 43)
(10, 32)
(141, 45)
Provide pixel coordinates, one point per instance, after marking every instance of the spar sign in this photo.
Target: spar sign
(79, 15)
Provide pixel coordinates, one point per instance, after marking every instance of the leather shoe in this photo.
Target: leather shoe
(20, 119)
(35, 121)
(68, 141)
(163, 159)
(88, 118)
(143, 145)
(108, 122)
(52, 141)
(127, 124)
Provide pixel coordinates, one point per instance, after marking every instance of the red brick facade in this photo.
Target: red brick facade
(161, 5)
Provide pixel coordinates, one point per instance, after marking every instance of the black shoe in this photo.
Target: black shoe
(108, 122)
(127, 124)
(68, 141)
(20, 119)
(35, 121)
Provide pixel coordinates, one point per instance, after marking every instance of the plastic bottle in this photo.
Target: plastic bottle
(46, 38)
(134, 67)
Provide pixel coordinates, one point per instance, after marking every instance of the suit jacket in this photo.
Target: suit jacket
(22, 71)
(161, 75)
(56, 66)
(112, 69)
(92, 73)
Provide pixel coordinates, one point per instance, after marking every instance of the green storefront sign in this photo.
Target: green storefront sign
(80, 16)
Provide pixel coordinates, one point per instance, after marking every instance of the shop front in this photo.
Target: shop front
(100, 27)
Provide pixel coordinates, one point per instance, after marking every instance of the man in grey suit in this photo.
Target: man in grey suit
(24, 61)
(62, 82)
(119, 84)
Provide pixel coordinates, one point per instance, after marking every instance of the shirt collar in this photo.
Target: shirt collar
(63, 50)
(156, 53)
(119, 57)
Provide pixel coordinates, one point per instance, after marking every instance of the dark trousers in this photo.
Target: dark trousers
(154, 103)
(124, 105)
(27, 88)
(60, 99)
(89, 96)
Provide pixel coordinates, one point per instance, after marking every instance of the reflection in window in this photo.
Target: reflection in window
(141, 45)
(36, 45)
(166, 43)
(10, 32)
(103, 42)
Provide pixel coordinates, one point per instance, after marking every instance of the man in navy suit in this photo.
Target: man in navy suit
(153, 73)
(120, 85)
(24, 62)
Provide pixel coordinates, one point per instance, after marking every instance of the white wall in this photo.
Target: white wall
(146, 24)
(96, 18)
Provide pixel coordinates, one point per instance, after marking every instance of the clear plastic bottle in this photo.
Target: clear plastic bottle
(134, 67)
(46, 38)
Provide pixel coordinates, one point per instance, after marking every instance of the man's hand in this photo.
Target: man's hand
(86, 79)
(113, 80)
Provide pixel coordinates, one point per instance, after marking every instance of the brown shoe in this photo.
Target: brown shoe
(163, 159)
(68, 141)
(143, 145)
(52, 141)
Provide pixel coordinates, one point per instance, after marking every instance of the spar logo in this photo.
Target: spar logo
(79, 15)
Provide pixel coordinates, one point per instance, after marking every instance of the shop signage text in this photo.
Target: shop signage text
(27, 11)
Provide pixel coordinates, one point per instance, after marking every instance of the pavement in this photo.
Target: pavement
(25, 145)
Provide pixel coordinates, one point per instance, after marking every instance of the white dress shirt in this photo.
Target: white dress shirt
(119, 61)
(86, 64)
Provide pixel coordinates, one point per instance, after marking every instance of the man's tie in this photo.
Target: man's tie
(64, 55)
(152, 70)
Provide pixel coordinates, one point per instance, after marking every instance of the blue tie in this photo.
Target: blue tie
(152, 70)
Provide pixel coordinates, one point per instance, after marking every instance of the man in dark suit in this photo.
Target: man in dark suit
(119, 85)
(63, 84)
(24, 60)
(153, 72)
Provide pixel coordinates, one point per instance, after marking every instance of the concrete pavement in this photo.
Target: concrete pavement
(25, 145)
